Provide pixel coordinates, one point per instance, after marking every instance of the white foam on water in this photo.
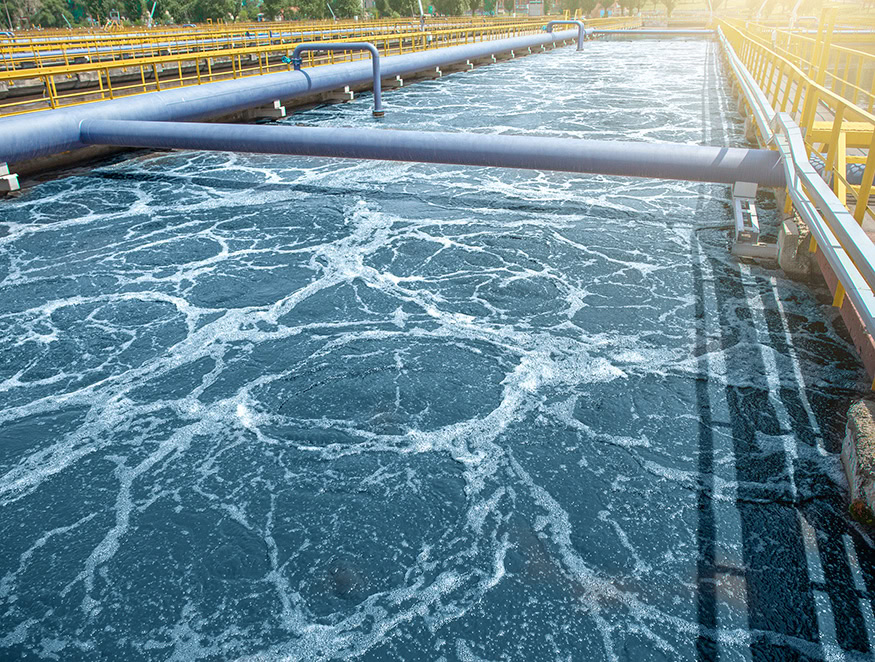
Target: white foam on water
(483, 311)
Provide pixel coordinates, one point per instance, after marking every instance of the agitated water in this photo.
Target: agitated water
(268, 407)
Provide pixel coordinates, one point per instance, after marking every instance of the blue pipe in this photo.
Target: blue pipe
(348, 46)
(48, 132)
(658, 32)
(581, 30)
(725, 165)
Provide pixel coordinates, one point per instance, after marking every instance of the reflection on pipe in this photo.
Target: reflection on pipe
(348, 46)
(626, 159)
(581, 30)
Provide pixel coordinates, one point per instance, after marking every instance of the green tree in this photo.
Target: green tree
(51, 14)
(402, 7)
(509, 5)
(473, 5)
(272, 8)
(132, 9)
(586, 6)
(449, 7)
(346, 8)
(201, 10)
(311, 9)
(669, 6)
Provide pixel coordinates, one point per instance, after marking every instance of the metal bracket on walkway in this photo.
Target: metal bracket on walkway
(747, 225)
(8, 182)
(746, 242)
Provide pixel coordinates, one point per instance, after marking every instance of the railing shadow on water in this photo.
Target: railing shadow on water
(803, 582)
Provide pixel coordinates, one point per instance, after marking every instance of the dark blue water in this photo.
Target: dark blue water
(275, 408)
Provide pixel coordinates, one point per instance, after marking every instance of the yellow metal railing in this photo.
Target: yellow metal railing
(65, 34)
(41, 88)
(835, 128)
(38, 50)
(24, 90)
(30, 50)
(847, 71)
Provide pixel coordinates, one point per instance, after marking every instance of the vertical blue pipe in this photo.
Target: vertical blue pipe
(349, 46)
(581, 30)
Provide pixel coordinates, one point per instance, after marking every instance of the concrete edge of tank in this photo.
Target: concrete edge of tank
(858, 459)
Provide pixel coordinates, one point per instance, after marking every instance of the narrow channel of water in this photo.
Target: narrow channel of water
(273, 408)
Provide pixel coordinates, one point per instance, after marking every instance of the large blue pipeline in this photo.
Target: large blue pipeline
(631, 159)
(32, 135)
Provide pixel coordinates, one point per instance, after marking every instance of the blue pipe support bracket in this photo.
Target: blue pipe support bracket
(50, 132)
(348, 46)
(581, 30)
(725, 165)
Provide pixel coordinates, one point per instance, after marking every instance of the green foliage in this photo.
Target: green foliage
(346, 8)
(586, 6)
(473, 5)
(132, 9)
(273, 8)
(449, 7)
(669, 6)
(50, 14)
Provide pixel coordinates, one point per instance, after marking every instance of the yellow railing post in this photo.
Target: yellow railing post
(824, 45)
(866, 185)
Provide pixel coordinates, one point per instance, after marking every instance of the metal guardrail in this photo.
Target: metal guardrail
(31, 50)
(391, 24)
(31, 53)
(835, 129)
(42, 88)
(846, 71)
(95, 81)
(846, 247)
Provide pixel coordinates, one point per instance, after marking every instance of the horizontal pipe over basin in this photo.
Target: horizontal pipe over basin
(49, 132)
(658, 32)
(631, 159)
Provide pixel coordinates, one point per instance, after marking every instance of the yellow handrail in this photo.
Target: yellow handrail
(834, 127)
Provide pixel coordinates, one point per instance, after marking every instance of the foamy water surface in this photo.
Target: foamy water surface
(277, 408)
